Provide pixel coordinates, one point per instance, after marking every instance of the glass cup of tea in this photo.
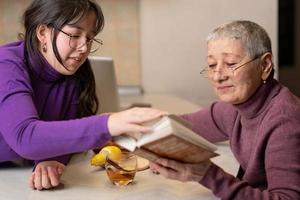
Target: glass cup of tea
(121, 171)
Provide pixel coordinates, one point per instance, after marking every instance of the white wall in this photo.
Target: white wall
(173, 47)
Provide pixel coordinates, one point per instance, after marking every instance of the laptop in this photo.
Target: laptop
(106, 85)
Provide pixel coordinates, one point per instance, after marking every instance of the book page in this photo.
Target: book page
(189, 135)
(160, 129)
(181, 121)
(177, 126)
(125, 141)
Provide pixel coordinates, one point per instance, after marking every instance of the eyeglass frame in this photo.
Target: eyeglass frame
(89, 42)
(236, 66)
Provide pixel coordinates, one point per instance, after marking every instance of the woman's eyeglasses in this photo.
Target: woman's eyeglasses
(77, 41)
(229, 70)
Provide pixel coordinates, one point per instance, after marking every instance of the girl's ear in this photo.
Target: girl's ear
(267, 65)
(41, 33)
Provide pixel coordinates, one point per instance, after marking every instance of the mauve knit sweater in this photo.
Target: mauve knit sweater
(264, 136)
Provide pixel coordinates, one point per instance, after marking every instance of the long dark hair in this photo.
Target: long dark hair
(56, 14)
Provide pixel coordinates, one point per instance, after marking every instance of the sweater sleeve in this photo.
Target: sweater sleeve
(228, 187)
(283, 184)
(36, 139)
(282, 167)
(213, 123)
(71, 114)
(280, 157)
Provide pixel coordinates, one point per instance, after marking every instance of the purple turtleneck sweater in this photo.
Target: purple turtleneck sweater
(38, 108)
(264, 136)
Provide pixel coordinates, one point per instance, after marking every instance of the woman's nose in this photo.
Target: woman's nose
(220, 73)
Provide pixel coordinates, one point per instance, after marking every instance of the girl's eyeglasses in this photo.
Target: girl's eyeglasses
(77, 41)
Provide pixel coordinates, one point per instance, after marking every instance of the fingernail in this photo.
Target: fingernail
(60, 171)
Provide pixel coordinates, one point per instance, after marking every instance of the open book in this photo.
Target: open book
(171, 137)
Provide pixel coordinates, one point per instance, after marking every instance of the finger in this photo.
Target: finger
(53, 176)
(38, 179)
(138, 128)
(140, 115)
(159, 113)
(172, 164)
(150, 112)
(53, 171)
(167, 172)
(146, 109)
(45, 179)
(61, 166)
(147, 117)
(170, 174)
(31, 181)
(153, 167)
(60, 170)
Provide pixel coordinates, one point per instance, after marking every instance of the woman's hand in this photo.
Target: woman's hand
(129, 121)
(46, 175)
(180, 171)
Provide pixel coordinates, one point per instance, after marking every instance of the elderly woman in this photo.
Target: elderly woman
(259, 117)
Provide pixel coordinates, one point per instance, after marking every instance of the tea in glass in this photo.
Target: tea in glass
(121, 172)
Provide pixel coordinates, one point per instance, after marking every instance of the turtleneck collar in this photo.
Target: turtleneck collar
(258, 102)
(43, 69)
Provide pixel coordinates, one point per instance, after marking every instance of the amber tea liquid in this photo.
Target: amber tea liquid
(119, 177)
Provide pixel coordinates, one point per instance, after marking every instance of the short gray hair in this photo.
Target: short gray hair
(254, 38)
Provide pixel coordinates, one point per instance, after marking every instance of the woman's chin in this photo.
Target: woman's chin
(228, 99)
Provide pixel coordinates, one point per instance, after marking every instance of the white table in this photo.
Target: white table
(84, 182)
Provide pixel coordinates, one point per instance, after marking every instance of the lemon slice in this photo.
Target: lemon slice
(142, 163)
(100, 158)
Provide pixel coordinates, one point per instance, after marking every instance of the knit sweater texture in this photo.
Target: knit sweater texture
(264, 136)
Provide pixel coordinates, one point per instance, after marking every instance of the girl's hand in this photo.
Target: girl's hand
(129, 121)
(46, 175)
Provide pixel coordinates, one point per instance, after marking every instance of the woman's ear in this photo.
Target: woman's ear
(266, 65)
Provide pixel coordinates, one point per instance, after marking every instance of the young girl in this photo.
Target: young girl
(47, 90)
